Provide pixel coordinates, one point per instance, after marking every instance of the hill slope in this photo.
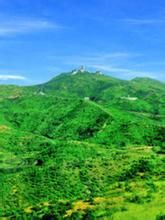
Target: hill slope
(82, 146)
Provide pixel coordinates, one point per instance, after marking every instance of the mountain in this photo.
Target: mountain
(79, 84)
(78, 105)
(147, 94)
(85, 84)
(82, 146)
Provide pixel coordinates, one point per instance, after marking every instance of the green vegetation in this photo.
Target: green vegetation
(84, 146)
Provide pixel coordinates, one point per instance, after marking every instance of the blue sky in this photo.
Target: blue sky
(42, 38)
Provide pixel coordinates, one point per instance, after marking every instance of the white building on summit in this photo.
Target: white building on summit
(74, 72)
(80, 70)
(83, 70)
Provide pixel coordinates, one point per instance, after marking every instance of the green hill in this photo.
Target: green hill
(146, 93)
(82, 146)
(81, 85)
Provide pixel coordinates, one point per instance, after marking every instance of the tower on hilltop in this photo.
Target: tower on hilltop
(82, 69)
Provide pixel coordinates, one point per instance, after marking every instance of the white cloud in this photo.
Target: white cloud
(110, 68)
(95, 58)
(11, 77)
(18, 25)
(114, 63)
(124, 72)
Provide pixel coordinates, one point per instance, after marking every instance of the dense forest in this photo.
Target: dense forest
(83, 146)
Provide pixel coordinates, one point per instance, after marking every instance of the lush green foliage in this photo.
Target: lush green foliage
(84, 146)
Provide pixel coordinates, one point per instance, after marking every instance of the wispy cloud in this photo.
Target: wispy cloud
(110, 68)
(126, 73)
(112, 63)
(134, 21)
(18, 25)
(12, 77)
(95, 58)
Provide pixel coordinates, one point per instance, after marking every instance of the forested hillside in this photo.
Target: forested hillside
(83, 146)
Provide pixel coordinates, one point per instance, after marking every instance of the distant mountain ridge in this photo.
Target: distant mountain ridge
(138, 94)
(83, 83)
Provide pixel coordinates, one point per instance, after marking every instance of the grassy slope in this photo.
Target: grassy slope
(52, 147)
(127, 185)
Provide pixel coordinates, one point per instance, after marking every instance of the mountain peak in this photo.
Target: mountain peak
(80, 70)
